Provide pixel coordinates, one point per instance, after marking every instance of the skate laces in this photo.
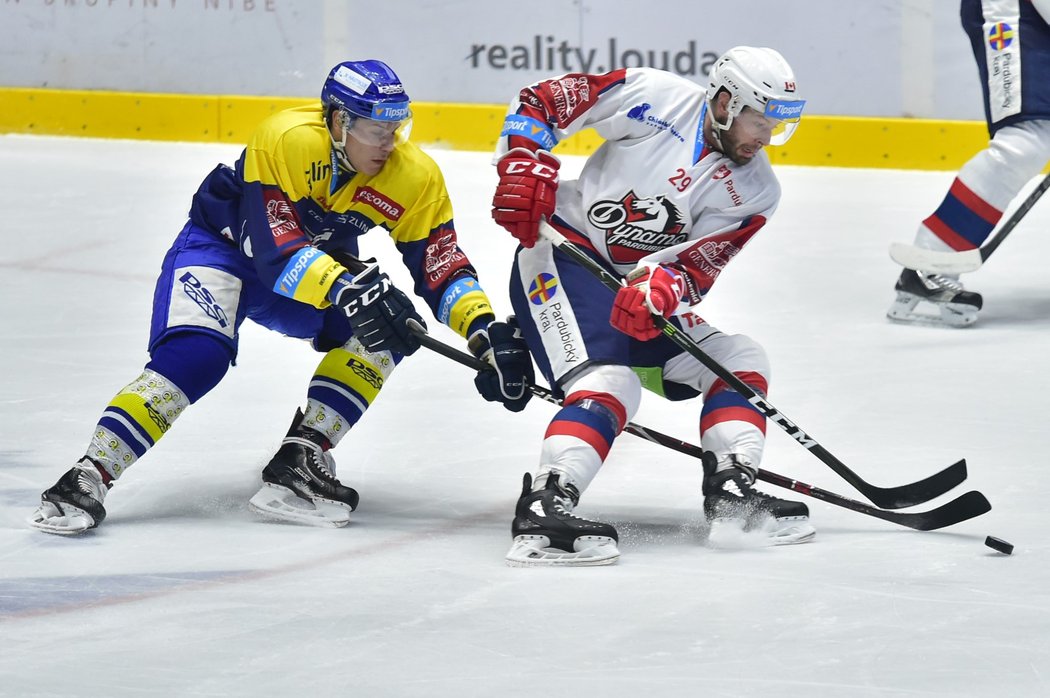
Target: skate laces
(747, 485)
(89, 481)
(741, 477)
(940, 282)
(322, 463)
(745, 481)
(325, 464)
(564, 506)
(563, 498)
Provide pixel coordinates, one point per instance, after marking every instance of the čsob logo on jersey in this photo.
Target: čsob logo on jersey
(638, 113)
(1000, 36)
(543, 288)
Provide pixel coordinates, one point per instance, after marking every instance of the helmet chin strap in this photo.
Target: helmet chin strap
(339, 146)
(716, 127)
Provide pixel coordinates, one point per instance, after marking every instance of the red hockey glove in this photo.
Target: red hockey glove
(650, 290)
(527, 185)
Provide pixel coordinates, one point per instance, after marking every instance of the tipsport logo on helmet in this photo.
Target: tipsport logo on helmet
(785, 110)
(397, 111)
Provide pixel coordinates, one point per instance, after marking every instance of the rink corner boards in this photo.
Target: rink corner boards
(832, 141)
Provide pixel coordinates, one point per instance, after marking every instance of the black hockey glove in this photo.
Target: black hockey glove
(508, 380)
(378, 311)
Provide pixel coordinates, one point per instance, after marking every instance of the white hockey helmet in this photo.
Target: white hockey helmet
(759, 78)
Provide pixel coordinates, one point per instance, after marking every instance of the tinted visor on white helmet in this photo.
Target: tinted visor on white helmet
(787, 114)
(761, 79)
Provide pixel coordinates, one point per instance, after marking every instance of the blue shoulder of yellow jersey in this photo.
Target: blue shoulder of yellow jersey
(409, 198)
(290, 202)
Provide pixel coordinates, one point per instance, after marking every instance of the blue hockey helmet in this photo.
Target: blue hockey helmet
(368, 103)
(368, 89)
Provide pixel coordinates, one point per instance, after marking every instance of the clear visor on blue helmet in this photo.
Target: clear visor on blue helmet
(369, 103)
(376, 132)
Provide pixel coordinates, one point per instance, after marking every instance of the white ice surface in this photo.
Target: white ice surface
(183, 592)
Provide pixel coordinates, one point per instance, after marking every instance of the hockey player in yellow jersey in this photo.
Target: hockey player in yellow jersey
(275, 239)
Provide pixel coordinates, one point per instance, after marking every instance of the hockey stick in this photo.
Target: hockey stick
(885, 497)
(961, 508)
(934, 261)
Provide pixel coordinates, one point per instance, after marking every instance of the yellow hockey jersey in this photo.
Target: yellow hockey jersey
(290, 207)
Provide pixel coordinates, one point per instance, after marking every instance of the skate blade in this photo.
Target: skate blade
(281, 503)
(948, 314)
(535, 551)
(50, 519)
(786, 532)
(733, 534)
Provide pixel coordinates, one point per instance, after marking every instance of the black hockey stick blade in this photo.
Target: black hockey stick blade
(884, 497)
(959, 509)
(962, 508)
(914, 492)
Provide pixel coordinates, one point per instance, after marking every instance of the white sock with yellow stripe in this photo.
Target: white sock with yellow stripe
(346, 382)
(134, 421)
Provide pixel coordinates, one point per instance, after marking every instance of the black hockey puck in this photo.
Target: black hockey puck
(999, 544)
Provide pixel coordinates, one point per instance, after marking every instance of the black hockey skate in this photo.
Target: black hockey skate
(547, 533)
(299, 482)
(74, 503)
(731, 503)
(955, 306)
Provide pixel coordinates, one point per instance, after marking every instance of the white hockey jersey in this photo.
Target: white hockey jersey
(654, 191)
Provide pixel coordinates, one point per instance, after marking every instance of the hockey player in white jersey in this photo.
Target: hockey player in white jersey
(680, 185)
(1011, 44)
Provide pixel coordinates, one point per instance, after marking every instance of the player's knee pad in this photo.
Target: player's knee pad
(750, 356)
(1014, 155)
(748, 361)
(615, 388)
(194, 361)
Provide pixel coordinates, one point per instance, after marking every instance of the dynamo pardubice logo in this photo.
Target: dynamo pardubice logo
(637, 226)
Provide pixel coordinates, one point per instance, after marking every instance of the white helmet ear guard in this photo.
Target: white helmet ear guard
(761, 79)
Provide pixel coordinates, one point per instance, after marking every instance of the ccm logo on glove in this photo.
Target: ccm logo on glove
(528, 183)
(378, 311)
